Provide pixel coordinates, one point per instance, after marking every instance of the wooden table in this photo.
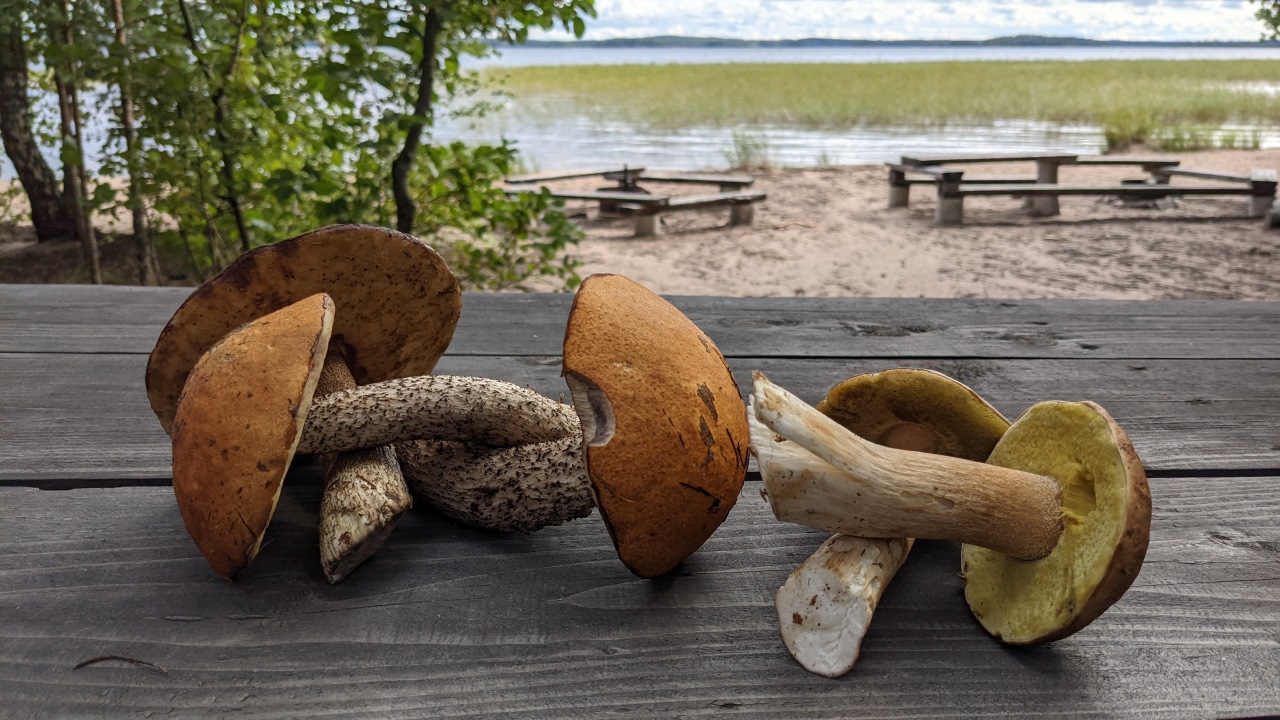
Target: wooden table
(450, 622)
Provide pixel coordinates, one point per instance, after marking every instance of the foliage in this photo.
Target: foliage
(262, 119)
(1269, 14)
(749, 151)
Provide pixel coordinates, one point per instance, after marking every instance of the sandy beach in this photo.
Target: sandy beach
(828, 232)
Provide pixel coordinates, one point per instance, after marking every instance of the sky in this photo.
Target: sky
(925, 19)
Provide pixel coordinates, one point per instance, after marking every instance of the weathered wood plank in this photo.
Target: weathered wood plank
(448, 622)
(86, 417)
(70, 318)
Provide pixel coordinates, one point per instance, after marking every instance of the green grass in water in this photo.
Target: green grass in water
(1181, 103)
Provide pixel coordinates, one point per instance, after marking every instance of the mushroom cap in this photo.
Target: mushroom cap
(914, 409)
(1106, 516)
(398, 302)
(664, 425)
(238, 423)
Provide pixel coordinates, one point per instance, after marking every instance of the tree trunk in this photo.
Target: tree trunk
(406, 210)
(50, 214)
(148, 263)
(74, 184)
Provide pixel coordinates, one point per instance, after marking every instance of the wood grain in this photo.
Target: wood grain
(449, 622)
(86, 417)
(54, 319)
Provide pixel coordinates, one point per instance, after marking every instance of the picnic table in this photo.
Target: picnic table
(627, 197)
(446, 621)
(1040, 193)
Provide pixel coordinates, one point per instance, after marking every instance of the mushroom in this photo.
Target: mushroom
(397, 305)
(1060, 513)
(645, 380)
(250, 404)
(825, 606)
(661, 450)
(237, 425)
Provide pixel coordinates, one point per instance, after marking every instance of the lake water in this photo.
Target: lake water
(553, 140)
(569, 139)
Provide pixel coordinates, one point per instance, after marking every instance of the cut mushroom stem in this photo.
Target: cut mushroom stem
(364, 491)
(883, 492)
(825, 606)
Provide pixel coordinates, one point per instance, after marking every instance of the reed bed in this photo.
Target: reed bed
(1132, 99)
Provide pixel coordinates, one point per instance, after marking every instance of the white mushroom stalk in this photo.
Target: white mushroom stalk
(886, 493)
(825, 606)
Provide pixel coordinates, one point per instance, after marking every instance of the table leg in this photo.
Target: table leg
(646, 225)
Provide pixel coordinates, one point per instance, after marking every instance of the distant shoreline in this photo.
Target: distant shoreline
(676, 41)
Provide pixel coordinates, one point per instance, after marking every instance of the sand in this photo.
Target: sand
(828, 232)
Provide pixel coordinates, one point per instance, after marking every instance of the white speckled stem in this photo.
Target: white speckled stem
(514, 489)
(438, 407)
(364, 491)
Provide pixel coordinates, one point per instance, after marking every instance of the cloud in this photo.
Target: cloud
(927, 19)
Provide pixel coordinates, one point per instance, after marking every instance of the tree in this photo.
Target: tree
(1269, 13)
(50, 213)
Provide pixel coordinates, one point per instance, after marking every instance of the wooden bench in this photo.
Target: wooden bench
(1047, 165)
(646, 208)
(741, 209)
(1261, 191)
(900, 183)
(726, 183)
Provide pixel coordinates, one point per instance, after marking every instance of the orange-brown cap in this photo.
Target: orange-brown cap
(664, 424)
(238, 423)
(397, 301)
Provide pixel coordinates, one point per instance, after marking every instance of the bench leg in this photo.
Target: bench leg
(950, 210)
(1046, 172)
(899, 190)
(742, 213)
(646, 226)
(1260, 205)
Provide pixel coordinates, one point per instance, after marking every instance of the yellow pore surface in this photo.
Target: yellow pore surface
(1024, 601)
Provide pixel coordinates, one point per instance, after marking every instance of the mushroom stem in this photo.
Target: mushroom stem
(826, 604)
(513, 489)
(882, 492)
(364, 491)
(439, 407)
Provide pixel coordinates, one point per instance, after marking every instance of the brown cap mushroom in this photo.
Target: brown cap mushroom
(662, 420)
(397, 305)
(237, 425)
(825, 606)
(1072, 466)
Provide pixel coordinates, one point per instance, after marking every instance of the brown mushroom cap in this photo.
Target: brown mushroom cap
(664, 424)
(1106, 511)
(399, 304)
(914, 409)
(238, 423)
